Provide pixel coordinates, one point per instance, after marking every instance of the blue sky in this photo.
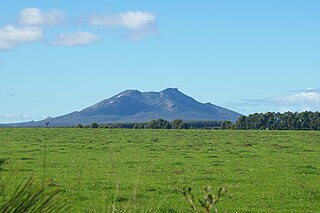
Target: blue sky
(250, 56)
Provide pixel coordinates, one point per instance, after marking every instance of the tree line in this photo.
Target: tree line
(276, 121)
(257, 121)
(159, 124)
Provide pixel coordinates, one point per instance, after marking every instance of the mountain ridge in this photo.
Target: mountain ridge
(135, 106)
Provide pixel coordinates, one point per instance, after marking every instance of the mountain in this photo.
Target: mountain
(136, 106)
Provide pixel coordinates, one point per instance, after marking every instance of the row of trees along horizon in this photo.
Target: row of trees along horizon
(257, 121)
(159, 124)
(277, 121)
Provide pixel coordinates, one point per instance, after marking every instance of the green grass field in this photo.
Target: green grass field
(146, 170)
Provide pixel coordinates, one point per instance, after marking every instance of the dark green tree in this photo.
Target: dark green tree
(227, 125)
(242, 122)
(94, 125)
(178, 124)
(158, 124)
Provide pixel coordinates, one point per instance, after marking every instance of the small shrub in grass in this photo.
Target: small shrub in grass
(32, 196)
(2, 162)
(207, 204)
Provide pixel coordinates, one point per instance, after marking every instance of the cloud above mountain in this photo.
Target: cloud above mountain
(34, 23)
(137, 23)
(35, 17)
(75, 39)
(133, 20)
(11, 36)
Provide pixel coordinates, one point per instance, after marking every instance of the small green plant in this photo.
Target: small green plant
(32, 196)
(209, 201)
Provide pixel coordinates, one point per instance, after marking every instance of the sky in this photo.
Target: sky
(59, 56)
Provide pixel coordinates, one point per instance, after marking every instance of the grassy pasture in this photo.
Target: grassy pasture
(146, 170)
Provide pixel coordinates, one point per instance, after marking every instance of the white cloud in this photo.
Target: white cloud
(135, 25)
(75, 39)
(10, 118)
(307, 100)
(304, 98)
(14, 117)
(35, 17)
(313, 90)
(138, 23)
(11, 36)
(132, 20)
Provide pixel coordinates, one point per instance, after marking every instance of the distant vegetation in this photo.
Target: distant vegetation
(257, 121)
(277, 121)
(159, 124)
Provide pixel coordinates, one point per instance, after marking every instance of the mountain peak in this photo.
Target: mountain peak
(170, 103)
(136, 106)
(170, 90)
(130, 92)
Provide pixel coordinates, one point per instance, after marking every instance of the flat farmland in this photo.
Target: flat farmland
(146, 170)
